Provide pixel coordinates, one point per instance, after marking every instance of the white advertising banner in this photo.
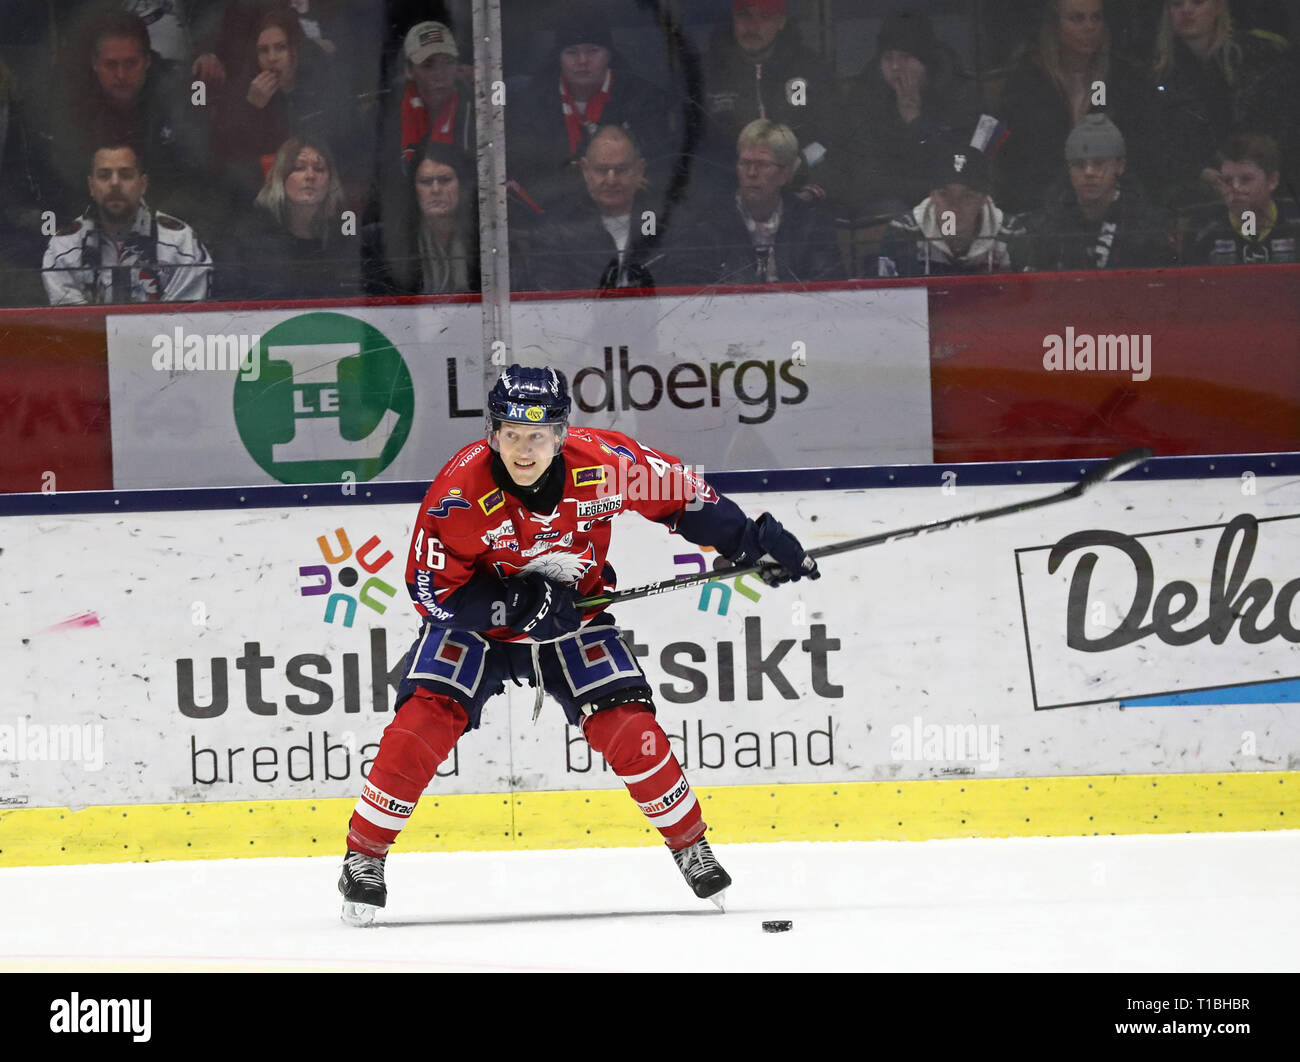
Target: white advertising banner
(219, 655)
(388, 393)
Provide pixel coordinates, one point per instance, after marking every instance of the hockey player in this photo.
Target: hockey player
(512, 533)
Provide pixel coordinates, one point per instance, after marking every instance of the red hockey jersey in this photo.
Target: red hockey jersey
(471, 533)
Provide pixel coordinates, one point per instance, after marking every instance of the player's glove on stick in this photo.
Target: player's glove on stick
(540, 608)
(765, 542)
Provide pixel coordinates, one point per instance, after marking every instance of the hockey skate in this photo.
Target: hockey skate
(363, 888)
(702, 873)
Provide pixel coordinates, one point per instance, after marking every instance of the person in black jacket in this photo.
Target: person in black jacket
(439, 253)
(756, 67)
(1258, 226)
(584, 86)
(1101, 218)
(764, 234)
(292, 246)
(910, 96)
(610, 237)
(1213, 82)
(1071, 70)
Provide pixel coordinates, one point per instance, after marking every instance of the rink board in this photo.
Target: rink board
(171, 684)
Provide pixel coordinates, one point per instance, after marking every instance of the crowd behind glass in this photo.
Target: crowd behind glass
(164, 150)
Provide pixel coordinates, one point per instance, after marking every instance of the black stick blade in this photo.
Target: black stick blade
(1115, 467)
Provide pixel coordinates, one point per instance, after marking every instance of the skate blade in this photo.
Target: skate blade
(720, 899)
(360, 915)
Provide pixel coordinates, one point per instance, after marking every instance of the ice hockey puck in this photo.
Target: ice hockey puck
(777, 927)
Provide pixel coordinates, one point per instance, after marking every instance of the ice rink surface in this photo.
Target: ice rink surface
(1225, 902)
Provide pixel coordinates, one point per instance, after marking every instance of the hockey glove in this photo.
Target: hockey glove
(780, 556)
(540, 608)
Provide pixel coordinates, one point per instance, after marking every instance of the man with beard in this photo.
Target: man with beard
(119, 250)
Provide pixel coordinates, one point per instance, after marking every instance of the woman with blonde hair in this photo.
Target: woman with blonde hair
(1213, 81)
(294, 244)
(1069, 70)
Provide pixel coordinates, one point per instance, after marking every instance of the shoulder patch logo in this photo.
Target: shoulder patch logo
(492, 501)
(590, 474)
(621, 450)
(443, 509)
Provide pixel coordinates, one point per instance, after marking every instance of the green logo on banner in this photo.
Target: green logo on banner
(332, 396)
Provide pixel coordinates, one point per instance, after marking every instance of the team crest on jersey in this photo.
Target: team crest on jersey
(591, 474)
(492, 501)
(621, 451)
(454, 501)
(600, 506)
(569, 568)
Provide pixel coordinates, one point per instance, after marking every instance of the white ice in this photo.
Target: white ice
(1179, 902)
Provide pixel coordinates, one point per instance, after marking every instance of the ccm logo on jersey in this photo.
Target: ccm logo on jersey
(599, 506)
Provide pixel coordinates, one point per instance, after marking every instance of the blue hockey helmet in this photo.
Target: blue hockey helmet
(526, 395)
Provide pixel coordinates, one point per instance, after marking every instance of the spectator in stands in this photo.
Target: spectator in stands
(1069, 71)
(1101, 218)
(1213, 82)
(609, 237)
(765, 233)
(21, 241)
(910, 95)
(294, 246)
(284, 89)
(1258, 227)
(585, 85)
(128, 98)
(179, 31)
(757, 68)
(431, 105)
(439, 255)
(957, 229)
(120, 250)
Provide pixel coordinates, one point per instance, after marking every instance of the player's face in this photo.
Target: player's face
(526, 450)
(116, 183)
(1082, 27)
(1095, 180)
(309, 179)
(613, 174)
(120, 66)
(756, 29)
(1247, 187)
(584, 66)
(437, 188)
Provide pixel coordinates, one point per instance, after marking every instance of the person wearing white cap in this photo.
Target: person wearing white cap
(1101, 218)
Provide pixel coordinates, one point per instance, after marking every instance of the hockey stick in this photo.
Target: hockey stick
(1116, 466)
